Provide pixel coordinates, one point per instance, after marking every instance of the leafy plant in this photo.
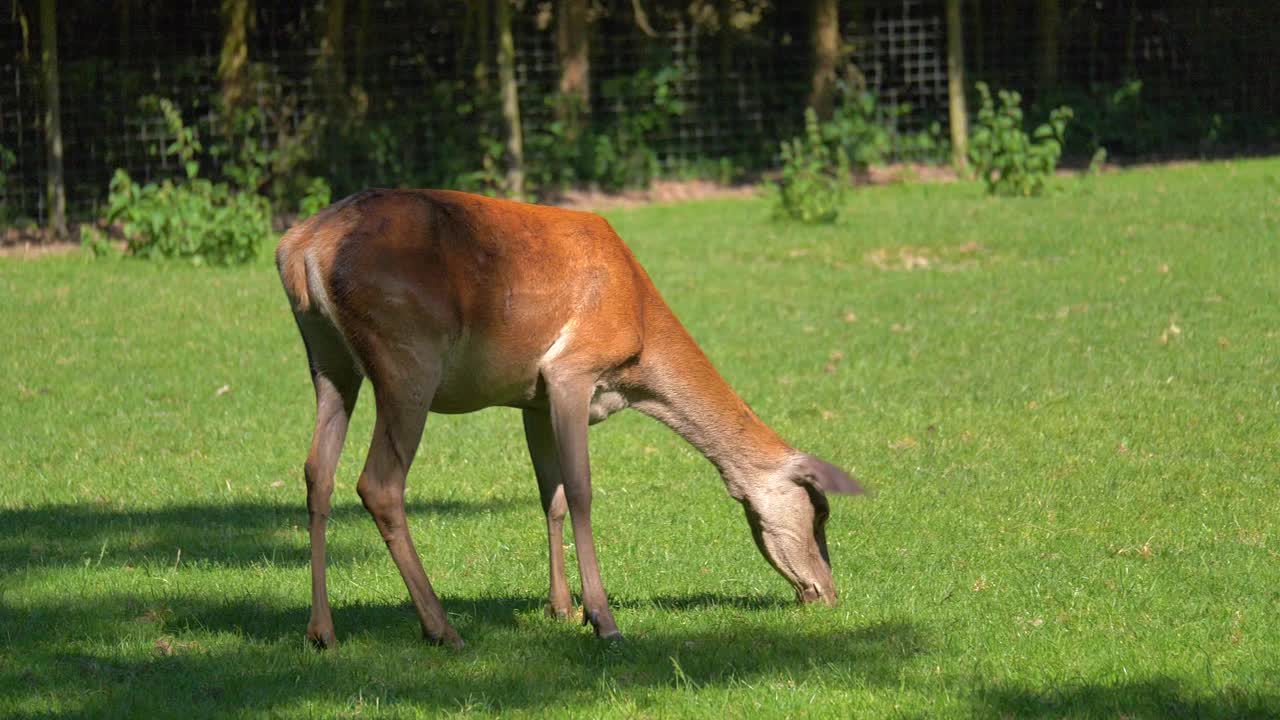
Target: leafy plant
(260, 147)
(192, 218)
(186, 145)
(856, 127)
(622, 153)
(869, 131)
(815, 179)
(317, 198)
(199, 220)
(1008, 160)
(556, 152)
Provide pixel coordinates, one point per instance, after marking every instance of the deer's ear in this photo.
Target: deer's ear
(822, 475)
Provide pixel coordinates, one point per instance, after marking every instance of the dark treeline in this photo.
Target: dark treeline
(604, 92)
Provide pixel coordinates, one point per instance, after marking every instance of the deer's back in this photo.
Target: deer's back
(490, 286)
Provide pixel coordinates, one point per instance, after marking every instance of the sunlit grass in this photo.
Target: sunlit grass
(1067, 410)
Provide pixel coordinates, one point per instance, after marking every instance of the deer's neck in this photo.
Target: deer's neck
(678, 386)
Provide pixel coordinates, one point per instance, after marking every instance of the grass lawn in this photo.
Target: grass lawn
(1068, 410)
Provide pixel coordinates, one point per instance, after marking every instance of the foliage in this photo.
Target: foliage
(1125, 120)
(191, 218)
(624, 152)
(857, 128)
(815, 179)
(185, 145)
(556, 152)
(618, 149)
(1008, 160)
(317, 197)
(203, 221)
(262, 147)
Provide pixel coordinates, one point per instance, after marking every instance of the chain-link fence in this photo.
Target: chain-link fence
(416, 111)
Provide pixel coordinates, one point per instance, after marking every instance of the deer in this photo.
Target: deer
(451, 302)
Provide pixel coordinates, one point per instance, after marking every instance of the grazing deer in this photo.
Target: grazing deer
(453, 302)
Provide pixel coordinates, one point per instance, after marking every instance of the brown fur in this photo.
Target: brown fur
(453, 302)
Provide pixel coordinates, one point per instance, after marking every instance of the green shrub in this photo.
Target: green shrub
(192, 218)
(618, 149)
(868, 132)
(1008, 160)
(317, 197)
(856, 127)
(815, 179)
(623, 153)
(199, 220)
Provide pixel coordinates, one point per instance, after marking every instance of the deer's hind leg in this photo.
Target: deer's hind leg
(337, 379)
(403, 389)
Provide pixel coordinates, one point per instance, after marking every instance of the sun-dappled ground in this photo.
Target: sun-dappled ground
(1066, 409)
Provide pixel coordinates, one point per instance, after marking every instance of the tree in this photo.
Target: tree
(362, 40)
(572, 51)
(331, 65)
(55, 183)
(124, 27)
(510, 100)
(959, 114)
(826, 54)
(233, 65)
(1050, 22)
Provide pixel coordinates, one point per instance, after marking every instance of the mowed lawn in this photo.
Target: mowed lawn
(1068, 410)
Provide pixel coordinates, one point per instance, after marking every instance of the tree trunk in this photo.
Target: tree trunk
(978, 53)
(1050, 22)
(510, 101)
(1131, 43)
(362, 40)
(124, 30)
(332, 61)
(483, 24)
(233, 65)
(572, 45)
(55, 183)
(826, 53)
(724, 11)
(959, 114)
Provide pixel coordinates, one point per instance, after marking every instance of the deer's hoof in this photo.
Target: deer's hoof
(612, 637)
(322, 638)
(560, 613)
(602, 622)
(449, 638)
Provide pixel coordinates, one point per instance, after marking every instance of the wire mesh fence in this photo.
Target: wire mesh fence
(421, 85)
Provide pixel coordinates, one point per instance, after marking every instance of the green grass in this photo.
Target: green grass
(1075, 508)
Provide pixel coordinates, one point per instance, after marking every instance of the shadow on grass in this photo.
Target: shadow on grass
(236, 533)
(1151, 699)
(235, 657)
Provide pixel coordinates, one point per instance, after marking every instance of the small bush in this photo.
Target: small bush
(199, 220)
(815, 179)
(317, 197)
(193, 218)
(856, 127)
(1008, 160)
(624, 152)
(869, 131)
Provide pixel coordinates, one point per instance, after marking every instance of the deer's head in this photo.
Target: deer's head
(788, 512)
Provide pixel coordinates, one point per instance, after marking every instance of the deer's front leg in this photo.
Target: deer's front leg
(569, 414)
(546, 466)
